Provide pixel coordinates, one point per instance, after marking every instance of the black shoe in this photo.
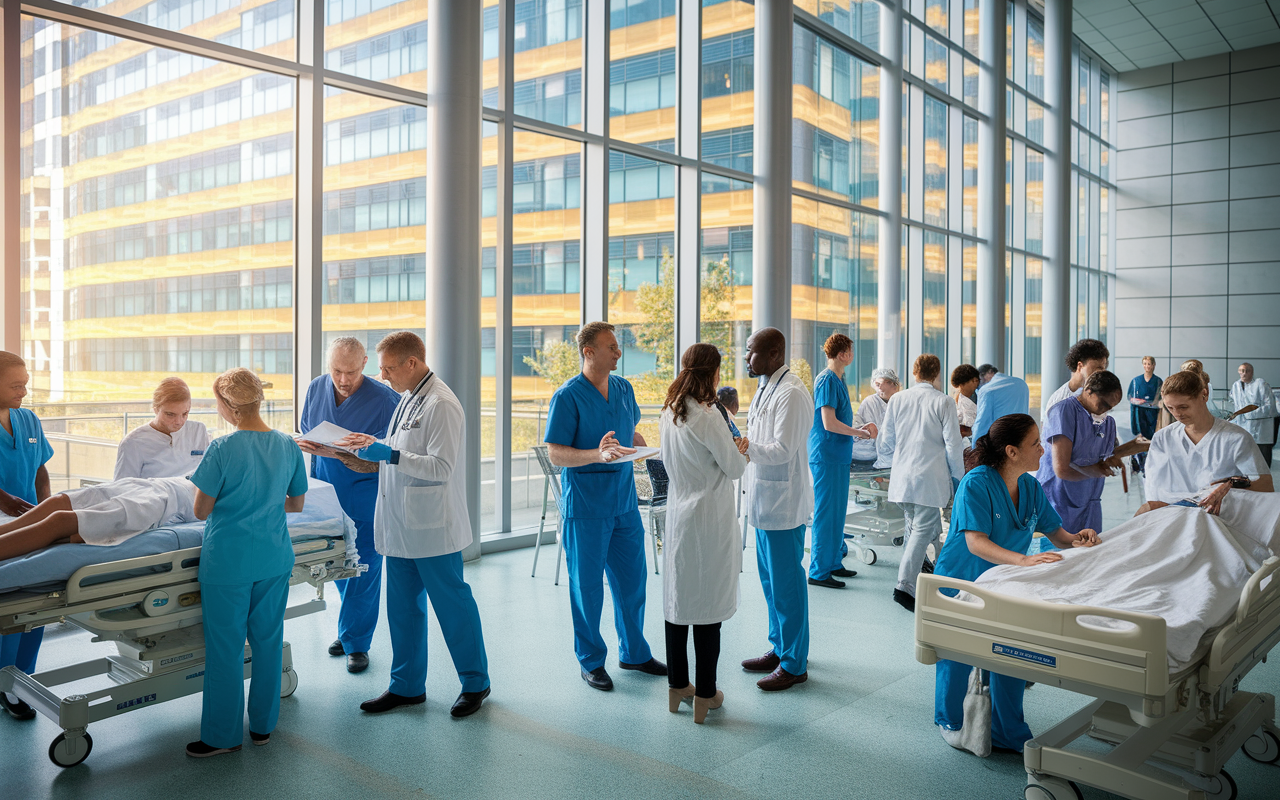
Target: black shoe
(17, 708)
(357, 662)
(335, 649)
(259, 739)
(829, 582)
(387, 701)
(651, 667)
(927, 567)
(468, 703)
(598, 679)
(905, 600)
(199, 749)
(843, 573)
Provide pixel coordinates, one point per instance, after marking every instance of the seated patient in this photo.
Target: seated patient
(106, 514)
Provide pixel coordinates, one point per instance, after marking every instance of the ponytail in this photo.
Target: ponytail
(1008, 431)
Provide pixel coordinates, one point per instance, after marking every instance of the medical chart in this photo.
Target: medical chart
(325, 433)
(640, 454)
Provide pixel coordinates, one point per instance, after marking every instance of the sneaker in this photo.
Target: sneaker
(259, 739)
(198, 749)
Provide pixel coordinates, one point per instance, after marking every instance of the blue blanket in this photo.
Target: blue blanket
(49, 569)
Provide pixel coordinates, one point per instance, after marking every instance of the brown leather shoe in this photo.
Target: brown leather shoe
(780, 679)
(765, 663)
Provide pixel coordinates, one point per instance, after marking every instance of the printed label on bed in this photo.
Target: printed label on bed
(150, 698)
(1025, 655)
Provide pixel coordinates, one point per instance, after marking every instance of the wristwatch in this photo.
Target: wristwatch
(1240, 483)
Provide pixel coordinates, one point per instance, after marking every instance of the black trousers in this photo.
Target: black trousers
(1266, 452)
(706, 649)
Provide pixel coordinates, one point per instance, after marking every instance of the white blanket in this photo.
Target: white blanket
(1178, 563)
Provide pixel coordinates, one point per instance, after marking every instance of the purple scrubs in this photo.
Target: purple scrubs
(1079, 503)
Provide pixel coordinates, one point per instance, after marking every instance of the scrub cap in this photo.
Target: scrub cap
(887, 374)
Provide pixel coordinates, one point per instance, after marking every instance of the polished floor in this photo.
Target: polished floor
(860, 728)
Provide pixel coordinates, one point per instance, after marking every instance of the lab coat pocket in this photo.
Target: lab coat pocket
(426, 507)
(770, 501)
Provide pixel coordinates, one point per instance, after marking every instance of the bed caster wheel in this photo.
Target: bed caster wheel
(1220, 787)
(288, 682)
(898, 540)
(1262, 747)
(1051, 789)
(867, 556)
(68, 751)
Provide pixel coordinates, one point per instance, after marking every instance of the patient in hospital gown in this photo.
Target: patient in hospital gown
(106, 514)
(1179, 563)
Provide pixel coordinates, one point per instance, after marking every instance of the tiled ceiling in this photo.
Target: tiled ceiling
(1133, 34)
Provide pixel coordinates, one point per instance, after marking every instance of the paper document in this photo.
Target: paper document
(640, 453)
(324, 433)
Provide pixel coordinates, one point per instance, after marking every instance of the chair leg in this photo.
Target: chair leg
(537, 543)
(653, 540)
(559, 548)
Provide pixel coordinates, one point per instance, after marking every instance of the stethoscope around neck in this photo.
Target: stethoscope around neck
(411, 409)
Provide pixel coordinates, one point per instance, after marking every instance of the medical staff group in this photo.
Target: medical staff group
(1018, 492)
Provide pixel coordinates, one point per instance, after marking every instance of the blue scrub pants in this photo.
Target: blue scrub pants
(358, 615)
(831, 502)
(614, 547)
(233, 613)
(410, 581)
(20, 650)
(778, 556)
(1008, 728)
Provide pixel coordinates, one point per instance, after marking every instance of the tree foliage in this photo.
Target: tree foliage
(555, 362)
(656, 333)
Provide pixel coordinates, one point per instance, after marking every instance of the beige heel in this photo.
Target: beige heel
(701, 705)
(677, 696)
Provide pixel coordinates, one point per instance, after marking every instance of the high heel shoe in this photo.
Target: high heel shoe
(701, 705)
(677, 696)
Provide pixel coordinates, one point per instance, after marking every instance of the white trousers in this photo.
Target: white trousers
(924, 526)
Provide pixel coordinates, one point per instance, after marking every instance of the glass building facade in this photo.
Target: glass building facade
(159, 195)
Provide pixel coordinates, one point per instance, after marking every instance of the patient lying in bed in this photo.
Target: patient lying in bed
(1179, 563)
(106, 514)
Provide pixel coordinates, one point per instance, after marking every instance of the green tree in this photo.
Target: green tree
(555, 362)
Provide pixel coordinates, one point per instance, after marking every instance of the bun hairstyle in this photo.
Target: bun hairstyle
(697, 379)
(1103, 383)
(836, 344)
(170, 390)
(240, 389)
(1008, 431)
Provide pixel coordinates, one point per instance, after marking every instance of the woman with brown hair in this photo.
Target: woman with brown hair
(702, 551)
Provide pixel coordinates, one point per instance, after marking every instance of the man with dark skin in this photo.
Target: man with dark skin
(779, 493)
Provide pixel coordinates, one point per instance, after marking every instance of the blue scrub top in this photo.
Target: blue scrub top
(1003, 395)
(1091, 442)
(22, 454)
(1148, 390)
(826, 447)
(579, 417)
(368, 410)
(249, 474)
(983, 504)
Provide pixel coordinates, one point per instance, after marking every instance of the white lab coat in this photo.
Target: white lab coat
(870, 410)
(966, 410)
(147, 453)
(702, 551)
(1176, 468)
(422, 500)
(1257, 423)
(921, 442)
(778, 485)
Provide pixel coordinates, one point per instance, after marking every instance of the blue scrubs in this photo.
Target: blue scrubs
(983, 504)
(1143, 419)
(1078, 503)
(830, 455)
(410, 583)
(1003, 395)
(778, 557)
(603, 534)
(367, 410)
(22, 453)
(244, 577)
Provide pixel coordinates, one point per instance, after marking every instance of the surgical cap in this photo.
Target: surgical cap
(887, 374)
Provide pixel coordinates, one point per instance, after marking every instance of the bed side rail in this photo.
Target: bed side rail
(182, 566)
(1246, 640)
(1040, 640)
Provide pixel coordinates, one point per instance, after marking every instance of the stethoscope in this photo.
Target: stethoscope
(768, 394)
(411, 408)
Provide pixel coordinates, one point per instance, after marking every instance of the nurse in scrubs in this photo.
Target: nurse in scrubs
(170, 446)
(830, 454)
(245, 484)
(997, 508)
(24, 481)
(344, 397)
(591, 422)
(1144, 405)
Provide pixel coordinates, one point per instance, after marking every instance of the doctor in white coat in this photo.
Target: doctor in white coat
(1251, 391)
(779, 490)
(702, 552)
(421, 525)
(169, 446)
(921, 443)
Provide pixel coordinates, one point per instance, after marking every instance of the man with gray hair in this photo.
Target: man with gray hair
(345, 397)
(1253, 391)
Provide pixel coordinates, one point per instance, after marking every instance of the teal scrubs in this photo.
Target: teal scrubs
(603, 533)
(830, 455)
(244, 577)
(983, 504)
(22, 453)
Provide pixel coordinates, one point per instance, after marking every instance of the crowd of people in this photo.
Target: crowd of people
(1018, 491)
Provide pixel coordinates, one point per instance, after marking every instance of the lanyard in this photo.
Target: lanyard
(417, 402)
(768, 393)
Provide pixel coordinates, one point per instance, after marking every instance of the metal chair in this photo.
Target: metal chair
(552, 484)
(658, 482)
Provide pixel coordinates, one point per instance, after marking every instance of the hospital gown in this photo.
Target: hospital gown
(1178, 468)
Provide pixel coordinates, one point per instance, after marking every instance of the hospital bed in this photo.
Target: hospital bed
(1172, 732)
(148, 604)
(872, 521)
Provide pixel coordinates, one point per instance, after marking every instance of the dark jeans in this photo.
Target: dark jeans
(706, 649)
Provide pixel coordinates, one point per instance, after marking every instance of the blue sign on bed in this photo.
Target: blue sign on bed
(1025, 655)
